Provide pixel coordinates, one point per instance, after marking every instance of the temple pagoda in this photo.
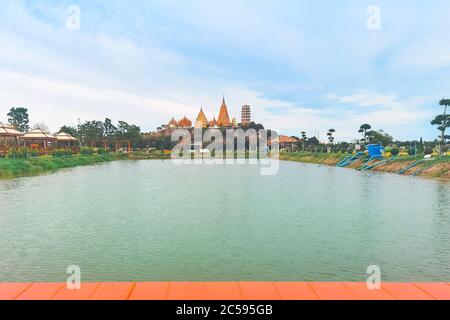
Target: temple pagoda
(185, 123)
(202, 121)
(224, 118)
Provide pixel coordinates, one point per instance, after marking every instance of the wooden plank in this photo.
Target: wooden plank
(10, 291)
(185, 291)
(150, 291)
(331, 291)
(258, 291)
(406, 291)
(113, 291)
(84, 293)
(295, 291)
(439, 291)
(362, 292)
(222, 291)
(41, 291)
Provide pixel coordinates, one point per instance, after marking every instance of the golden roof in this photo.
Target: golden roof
(202, 121)
(65, 137)
(185, 123)
(7, 130)
(38, 134)
(172, 123)
(224, 118)
(213, 123)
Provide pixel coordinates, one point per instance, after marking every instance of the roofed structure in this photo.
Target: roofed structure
(213, 123)
(38, 134)
(7, 130)
(224, 118)
(65, 137)
(202, 121)
(172, 123)
(185, 123)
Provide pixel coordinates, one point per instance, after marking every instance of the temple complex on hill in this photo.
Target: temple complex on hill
(223, 121)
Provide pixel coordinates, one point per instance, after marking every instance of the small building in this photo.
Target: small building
(9, 138)
(39, 140)
(288, 143)
(66, 141)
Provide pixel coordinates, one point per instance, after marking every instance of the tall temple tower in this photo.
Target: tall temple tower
(224, 118)
(201, 122)
(246, 115)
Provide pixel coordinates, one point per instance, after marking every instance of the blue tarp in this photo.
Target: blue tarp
(375, 150)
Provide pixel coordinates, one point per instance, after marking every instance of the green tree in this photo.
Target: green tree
(442, 122)
(305, 139)
(18, 117)
(363, 130)
(90, 131)
(129, 132)
(110, 130)
(380, 137)
(70, 130)
(420, 147)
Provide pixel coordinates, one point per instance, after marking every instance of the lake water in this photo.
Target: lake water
(152, 220)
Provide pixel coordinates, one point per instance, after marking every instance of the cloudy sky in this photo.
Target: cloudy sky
(301, 65)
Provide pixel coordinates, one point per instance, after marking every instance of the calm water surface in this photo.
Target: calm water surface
(152, 220)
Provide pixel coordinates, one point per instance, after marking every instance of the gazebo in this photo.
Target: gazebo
(66, 141)
(9, 137)
(39, 140)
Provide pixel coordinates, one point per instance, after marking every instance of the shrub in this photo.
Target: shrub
(428, 151)
(62, 152)
(102, 150)
(22, 153)
(86, 151)
(395, 151)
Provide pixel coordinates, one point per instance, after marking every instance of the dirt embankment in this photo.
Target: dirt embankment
(438, 168)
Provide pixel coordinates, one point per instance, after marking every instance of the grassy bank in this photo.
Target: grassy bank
(438, 168)
(14, 168)
(330, 159)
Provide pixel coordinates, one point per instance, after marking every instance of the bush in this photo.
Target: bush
(22, 153)
(428, 151)
(103, 150)
(395, 151)
(86, 151)
(62, 153)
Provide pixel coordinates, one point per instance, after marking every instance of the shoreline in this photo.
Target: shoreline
(20, 168)
(439, 167)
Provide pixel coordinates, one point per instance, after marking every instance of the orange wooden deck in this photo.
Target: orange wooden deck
(225, 291)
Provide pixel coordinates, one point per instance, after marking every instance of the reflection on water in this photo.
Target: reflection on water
(151, 220)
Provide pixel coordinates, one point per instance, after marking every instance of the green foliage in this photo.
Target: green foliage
(11, 168)
(395, 151)
(69, 130)
(380, 136)
(158, 142)
(21, 153)
(62, 153)
(86, 151)
(103, 150)
(18, 117)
